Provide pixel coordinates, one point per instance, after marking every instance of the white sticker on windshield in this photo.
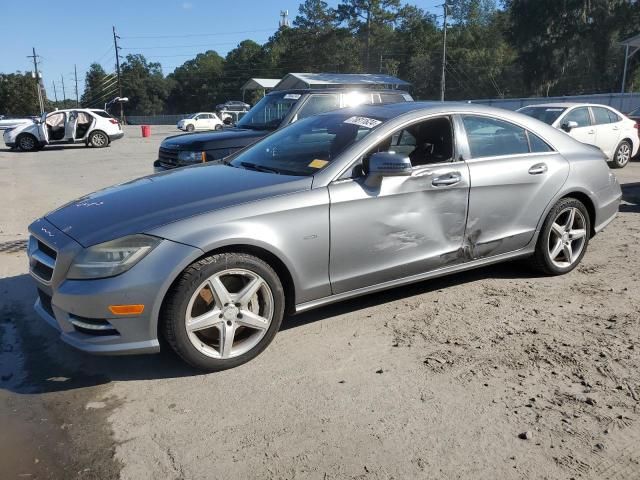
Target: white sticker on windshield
(292, 96)
(363, 122)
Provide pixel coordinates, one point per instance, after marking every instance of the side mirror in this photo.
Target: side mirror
(568, 126)
(388, 164)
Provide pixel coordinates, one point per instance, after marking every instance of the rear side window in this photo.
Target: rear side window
(579, 115)
(613, 116)
(489, 137)
(536, 144)
(601, 115)
(319, 104)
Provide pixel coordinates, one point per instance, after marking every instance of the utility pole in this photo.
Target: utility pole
(64, 95)
(75, 73)
(55, 93)
(37, 76)
(117, 48)
(444, 53)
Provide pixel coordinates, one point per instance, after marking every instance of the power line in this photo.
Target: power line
(217, 34)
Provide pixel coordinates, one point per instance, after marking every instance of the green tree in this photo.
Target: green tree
(197, 84)
(98, 86)
(18, 94)
(369, 19)
(144, 85)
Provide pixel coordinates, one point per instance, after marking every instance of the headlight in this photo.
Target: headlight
(111, 258)
(192, 156)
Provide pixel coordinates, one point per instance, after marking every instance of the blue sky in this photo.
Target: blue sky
(71, 31)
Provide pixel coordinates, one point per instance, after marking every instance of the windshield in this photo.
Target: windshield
(546, 114)
(268, 113)
(191, 116)
(307, 146)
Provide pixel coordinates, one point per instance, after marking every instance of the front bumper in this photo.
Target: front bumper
(78, 309)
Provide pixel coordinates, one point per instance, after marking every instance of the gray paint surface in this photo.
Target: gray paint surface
(337, 236)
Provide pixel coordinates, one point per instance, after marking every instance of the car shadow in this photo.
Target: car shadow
(631, 197)
(48, 148)
(34, 360)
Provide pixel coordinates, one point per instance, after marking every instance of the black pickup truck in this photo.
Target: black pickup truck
(274, 111)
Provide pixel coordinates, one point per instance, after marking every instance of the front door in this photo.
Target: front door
(383, 229)
(607, 133)
(585, 132)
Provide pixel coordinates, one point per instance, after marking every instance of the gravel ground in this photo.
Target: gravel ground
(495, 373)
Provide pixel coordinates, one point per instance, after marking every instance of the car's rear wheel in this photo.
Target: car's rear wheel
(98, 139)
(218, 127)
(27, 142)
(190, 128)
(223, 311)
(564, 238)
(622, 155)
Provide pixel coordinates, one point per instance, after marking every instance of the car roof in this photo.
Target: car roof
(337, 89)
(566, 105)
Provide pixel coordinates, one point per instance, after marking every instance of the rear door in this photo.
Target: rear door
(607, 133)
(514, 175)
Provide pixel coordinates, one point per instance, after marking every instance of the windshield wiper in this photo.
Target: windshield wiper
(259, 168)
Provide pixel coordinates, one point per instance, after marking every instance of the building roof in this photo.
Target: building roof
(632, 42)
(328, 80)
(260, 83)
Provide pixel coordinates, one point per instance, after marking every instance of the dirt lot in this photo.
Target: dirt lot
(437, 380)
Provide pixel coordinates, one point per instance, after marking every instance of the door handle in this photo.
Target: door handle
(591, 132)
(538, 169)
(446, 179)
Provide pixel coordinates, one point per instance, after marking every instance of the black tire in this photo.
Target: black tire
(190, 128)
(218, 127)
(98, 139)
(173, 313)
(27, 142)
(541, 260)
(622, 155)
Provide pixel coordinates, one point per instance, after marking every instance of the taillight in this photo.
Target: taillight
(114, 121)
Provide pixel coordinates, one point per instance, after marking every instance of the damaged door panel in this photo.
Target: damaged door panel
(387, 228)
(514, 175)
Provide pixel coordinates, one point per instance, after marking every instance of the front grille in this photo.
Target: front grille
(42, 259)
(45, 301)
(168, 158)
(92, 326)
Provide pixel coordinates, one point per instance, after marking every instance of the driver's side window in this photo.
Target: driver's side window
(425, 143)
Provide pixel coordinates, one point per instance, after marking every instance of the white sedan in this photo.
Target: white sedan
(600, 125)
(200, 121)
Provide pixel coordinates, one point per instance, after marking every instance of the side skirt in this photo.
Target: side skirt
(525, 252)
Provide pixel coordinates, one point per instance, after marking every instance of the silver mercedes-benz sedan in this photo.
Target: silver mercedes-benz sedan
(342, 204)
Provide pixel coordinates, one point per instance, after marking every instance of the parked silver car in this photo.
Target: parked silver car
(331, 207)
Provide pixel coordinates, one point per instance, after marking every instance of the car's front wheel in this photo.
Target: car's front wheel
(98, 139)
(223, 311)
(27, 142)
(622, 155)
(564, 238)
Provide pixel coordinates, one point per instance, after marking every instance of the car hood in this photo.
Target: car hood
(225, 138)
(150, 202)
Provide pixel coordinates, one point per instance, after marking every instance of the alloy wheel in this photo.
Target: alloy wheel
(623, 155)
(99, 140)
(567, 237)
(229, 313)
(27, 142)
